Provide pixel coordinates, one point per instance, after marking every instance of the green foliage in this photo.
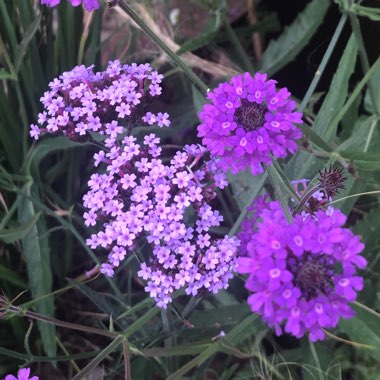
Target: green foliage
(295, 37)
(41, 185)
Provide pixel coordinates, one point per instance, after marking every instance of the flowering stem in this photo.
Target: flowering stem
(363, 58)
(173, 56)
(353, 196)
(127, 364)
(19, 311)
(247, 64)
(305, 197)
(108, 350)
(322, 66)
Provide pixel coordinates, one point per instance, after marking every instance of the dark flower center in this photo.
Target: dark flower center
(312, 274)
(250, 116)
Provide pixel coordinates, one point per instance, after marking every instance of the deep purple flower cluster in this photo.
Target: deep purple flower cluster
(139, 199)
(81, 101)
(248, 121)
(89, 5)
(23, 374)
(301, 274)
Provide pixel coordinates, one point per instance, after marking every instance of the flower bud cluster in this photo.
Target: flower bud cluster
(80, 101)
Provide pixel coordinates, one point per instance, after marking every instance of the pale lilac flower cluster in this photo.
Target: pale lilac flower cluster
(139, 199)
(23, 374)
(248, 122)
(81, 101)
(89, 5)
(302, 275)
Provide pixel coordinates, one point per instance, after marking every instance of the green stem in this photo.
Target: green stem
(69, 325)
(108, 350)
(243, 213)
(276, 180)
(363, 58)
(305, 197)
(173, 56)
(322, 66)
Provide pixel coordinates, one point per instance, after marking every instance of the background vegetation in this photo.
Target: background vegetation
(325, 52)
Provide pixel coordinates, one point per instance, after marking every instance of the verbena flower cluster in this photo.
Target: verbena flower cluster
(248, 121)
(89, 5)
(81, 101)
(139, 199)
(23, 374)
(302, 275)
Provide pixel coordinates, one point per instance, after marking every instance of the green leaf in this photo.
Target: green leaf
(221, 316)
(199, 99)
(363, 160)
(6, 75)
(375, 78)
(10, 235)
(37, 257)
(363, 329)
(336, 97)
(367, 227)
(204, 38)
(28, 36)
(244, 185)
(12, 277)
(50, 145)
(295, 37)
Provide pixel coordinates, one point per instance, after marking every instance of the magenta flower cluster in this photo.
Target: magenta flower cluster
(89, 5)
(302, 275)
(81, 102)
(138, 199)
(23, 374)
(248, 122)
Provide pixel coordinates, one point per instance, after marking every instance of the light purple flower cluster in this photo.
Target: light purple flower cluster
(23, 374)
(81, 101)
(139, 199)
(301, 274)
(248, 121)
(89, 5)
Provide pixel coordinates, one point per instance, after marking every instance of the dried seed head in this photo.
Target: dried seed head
(331, 181)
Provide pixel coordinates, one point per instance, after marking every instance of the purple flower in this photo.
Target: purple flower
(138, 198)
(23, 374)
(89, 5)
(248, 121)
(302, 275)
(80, 101)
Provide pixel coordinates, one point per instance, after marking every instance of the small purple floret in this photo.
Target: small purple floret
(89, 5)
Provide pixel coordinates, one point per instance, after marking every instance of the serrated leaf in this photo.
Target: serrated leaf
(10, 235)
(375, 79)
(295, 37)
(337, 94)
